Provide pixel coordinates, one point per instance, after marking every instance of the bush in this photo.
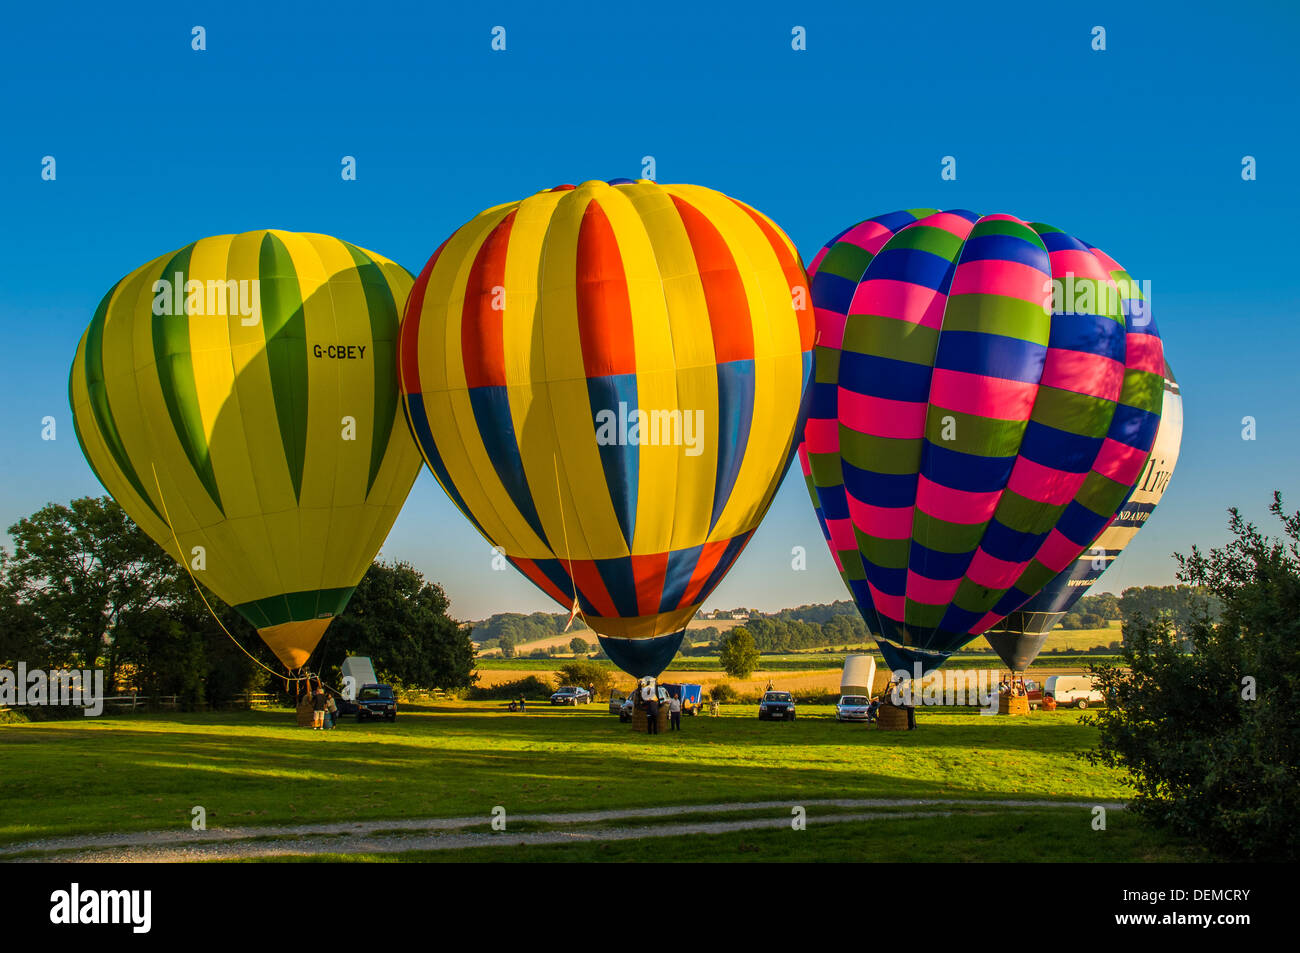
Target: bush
(723, 692)
(1205, 715)
(530, 687)
(584, 673)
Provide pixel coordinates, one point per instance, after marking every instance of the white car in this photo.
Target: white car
(853, 708)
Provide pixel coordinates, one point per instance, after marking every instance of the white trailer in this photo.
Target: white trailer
(356, 671)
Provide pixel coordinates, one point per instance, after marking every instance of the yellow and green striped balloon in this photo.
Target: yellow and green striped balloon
(239, 397)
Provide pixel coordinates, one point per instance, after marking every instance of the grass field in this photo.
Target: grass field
(147, 772)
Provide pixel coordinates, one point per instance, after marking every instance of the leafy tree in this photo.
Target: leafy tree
(739, 655)
(578, 645)
(585, 673)
(1210, 737)
(80, 568)
(400, 621)
(1182, 605)
(22, 635)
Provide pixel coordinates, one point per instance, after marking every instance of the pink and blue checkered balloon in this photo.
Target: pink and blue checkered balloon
(986, 394)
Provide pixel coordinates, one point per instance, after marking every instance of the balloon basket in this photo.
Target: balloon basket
(892, 718)
(1013, 704)
(639, 719)
(306, 711)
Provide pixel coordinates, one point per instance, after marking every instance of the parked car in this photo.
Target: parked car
(625, 708)
(1076, 690)
(571, 695)
(616, 700)
(376, 701)
(776, 705)
(853, 708)
(1034, 692)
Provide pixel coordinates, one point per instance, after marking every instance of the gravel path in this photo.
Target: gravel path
(448, 833)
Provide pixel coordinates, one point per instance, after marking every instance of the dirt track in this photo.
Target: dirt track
(449, 833)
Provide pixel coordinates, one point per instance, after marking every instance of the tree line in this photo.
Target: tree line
(85, 587)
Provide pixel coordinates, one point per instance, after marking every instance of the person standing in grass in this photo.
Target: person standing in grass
(675, 712)
(318, 706)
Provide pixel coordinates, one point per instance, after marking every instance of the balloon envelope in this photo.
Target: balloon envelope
(1020, 636)
(607, 380)
(243, 389)
(987, 391)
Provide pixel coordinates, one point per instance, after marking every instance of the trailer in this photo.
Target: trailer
(690, 695)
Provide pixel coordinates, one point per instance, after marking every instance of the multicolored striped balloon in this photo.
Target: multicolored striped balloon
(974, 427)
(607, 380)
(239, 396)
(1020, 636)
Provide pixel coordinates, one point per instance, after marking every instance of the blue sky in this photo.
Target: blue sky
(1137, 149)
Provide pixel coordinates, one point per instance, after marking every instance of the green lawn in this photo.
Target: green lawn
(148, 771)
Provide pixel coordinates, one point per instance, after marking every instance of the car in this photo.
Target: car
(776, 705)
(376, 701)
(853, 708)
(616, 700)
(625, 708)
(571, 695)
(1034, 692)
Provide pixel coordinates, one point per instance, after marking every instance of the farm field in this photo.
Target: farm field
(147, 772)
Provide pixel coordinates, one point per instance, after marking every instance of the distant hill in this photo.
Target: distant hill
(516, 628)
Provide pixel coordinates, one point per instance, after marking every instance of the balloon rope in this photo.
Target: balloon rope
(199, 589)
(576, 610)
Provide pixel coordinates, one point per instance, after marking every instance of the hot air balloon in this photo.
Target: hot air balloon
(607, 380)
(238, 398)
(1020, 636)
(987, 392)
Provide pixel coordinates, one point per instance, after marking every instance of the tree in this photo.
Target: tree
(80, 568)
(1210, 737)
(401, 622)
(578, 645)
(585, 673)
(739, 655)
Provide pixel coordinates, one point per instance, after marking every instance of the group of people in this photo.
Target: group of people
(1009, 687)
(652, 697)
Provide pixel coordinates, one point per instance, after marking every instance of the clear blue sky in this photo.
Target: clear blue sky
(1137, 149)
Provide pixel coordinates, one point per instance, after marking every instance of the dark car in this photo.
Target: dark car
(376, 701)
(571, 695)
(776, 705)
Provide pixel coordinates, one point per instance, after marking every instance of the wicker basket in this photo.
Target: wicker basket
(1013, 704)
(306, 711)
(639, 718)
(891, 718)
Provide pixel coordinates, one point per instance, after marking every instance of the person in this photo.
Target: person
(523, 702)
(331, 711)
(872, 709)
(591, 692)
(675, 712)
(651, 699)
(318, 706)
